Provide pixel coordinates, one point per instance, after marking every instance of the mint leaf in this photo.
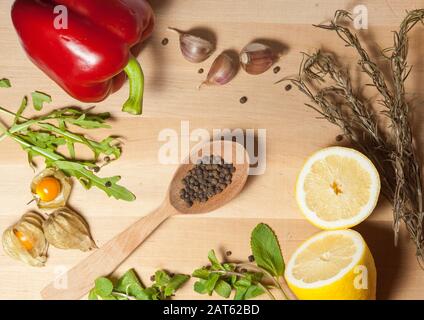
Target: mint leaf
(266, 250)
(216, 265)
(103, 287)
(5, 83)
(39, 98)
(130, 284)
(92, 295)
(223, 289)
(174, 284)
(200, 286)
(211, 282)
(240, 292)
(162, 278)
(253, 291)
(202, 273)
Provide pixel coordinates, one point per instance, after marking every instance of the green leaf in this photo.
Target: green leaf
(202, 273)
(92, 295)
(89, 179)
(253, 291)
(211, 282)
(21, 109)
(240, 292)
(130, 284)
(103, 287)
(174, 284)
(266, 250)
(216, 265)
(200, 286)
(5, 83)
(39, 98)
(162, 278)
(223, 289)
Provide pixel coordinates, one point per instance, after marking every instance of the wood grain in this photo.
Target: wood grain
(293, 132)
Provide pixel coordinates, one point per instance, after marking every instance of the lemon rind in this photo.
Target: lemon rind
(357, 240)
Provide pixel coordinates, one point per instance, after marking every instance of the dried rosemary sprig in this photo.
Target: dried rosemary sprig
(394, 153)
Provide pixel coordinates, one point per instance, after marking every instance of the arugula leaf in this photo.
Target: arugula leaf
(39, 98)
(5, 83)
(21, 109)
(46, 141)
(103, 286)
(88, 179)
(266, 250)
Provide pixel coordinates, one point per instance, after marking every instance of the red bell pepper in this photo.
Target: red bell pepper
(89, 58)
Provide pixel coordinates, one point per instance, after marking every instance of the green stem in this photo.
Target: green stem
(274, 280)
(238, 274)
(134, 104)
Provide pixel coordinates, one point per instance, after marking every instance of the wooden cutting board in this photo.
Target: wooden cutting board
(293, 132)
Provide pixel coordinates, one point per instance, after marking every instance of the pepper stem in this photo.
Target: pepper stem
(134, 104)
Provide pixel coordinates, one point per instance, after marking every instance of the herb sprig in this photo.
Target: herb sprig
(129, 287)
(247, 280)
(393, 151)
(243, 280)
(44, 135)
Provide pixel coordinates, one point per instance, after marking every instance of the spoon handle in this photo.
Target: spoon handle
(80, 279)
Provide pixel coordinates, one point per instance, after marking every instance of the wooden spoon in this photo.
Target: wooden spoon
(80, 279)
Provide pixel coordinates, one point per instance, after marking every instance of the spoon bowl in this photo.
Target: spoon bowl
(80, 279)
(230, 152)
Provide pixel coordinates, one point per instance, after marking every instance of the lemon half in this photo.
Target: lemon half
(333, 265)
(337, 188)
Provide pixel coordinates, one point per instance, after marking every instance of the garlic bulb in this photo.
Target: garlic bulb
(256, 58)
(194, 49)
(25, 240)
(66, 229)
(222, 71)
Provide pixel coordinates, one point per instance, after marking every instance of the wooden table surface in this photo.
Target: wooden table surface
(293, 132)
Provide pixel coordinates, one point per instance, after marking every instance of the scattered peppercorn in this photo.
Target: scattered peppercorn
(251, 258)
(339, 138)
(165, 41)
(96, 169)
(153, 278)
(243, 100)
(106, 159)
(201, 70)
(288, 87)
(209, 177)
(108, 184)
(277, 69)
(228, 253)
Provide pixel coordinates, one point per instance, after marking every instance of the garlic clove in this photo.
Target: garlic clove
(256, 58)
(194, 49)
(66, 229)
(222, 71)
(25, 240)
